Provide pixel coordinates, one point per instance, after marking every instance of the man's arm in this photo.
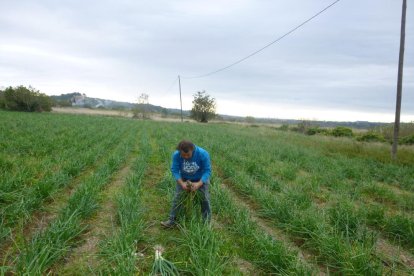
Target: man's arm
(175, 166)
(206, 167)
(175, 169)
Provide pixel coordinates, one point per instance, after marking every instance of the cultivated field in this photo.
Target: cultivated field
(83, 195)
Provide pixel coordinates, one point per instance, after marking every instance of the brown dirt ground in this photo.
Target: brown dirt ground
(277, 234)
(100, 225)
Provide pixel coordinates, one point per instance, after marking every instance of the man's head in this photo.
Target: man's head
(186, 149)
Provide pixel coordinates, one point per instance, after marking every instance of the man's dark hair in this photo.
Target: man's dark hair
(185, 146)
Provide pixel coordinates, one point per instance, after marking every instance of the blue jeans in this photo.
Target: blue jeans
(205, 201)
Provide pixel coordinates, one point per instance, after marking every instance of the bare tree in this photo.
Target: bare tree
(141, 108)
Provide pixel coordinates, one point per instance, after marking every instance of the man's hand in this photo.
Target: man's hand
(183, 184)
(196, 186)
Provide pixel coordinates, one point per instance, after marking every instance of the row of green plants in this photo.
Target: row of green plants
(39, 253)
(335, 251)
(118, 251)
(208, 244)
(256, 246)
(328, 203)
(253, 244)
(337, 184)
(256, 177)
(339, 175)
(19, 201)
(384, 195)
(379, 206)
(28, 183)
(207, 249)
(293, 211)
(201, 249)
(329, 160)
(335, 172)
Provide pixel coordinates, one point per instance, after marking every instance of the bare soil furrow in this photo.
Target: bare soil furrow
(83, 257)
(156, 206)
(40, 219)
(391, 254)
(267, 227)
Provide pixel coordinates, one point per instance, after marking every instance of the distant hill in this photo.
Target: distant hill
(77, 99)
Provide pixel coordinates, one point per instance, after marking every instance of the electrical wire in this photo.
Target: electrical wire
(264, 47)
(171, 86)
(164, 92)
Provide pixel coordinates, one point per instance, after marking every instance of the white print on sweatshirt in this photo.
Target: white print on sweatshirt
(190, 168)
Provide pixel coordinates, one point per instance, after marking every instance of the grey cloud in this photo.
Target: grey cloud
(346, 58)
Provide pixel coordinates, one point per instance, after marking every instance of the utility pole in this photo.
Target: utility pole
(399, 83)
(181, 102)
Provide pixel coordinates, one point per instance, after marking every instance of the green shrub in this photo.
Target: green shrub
(408, 140)
(24, 99)
(284, 127)
(325, 131)
(342, 132)
(312, 131)
(371, 137)
(317, 130)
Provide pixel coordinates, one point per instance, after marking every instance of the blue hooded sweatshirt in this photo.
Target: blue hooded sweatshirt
(196, 168)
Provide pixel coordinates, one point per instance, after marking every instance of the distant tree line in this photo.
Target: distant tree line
(21, 98)
(376, 134)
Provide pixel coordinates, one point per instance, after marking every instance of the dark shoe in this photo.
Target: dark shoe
(168, 224)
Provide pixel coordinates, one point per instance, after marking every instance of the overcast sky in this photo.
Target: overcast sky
(342, 65)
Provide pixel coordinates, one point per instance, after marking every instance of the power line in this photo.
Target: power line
(171, 86)
(261, 49)
(163, 92)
